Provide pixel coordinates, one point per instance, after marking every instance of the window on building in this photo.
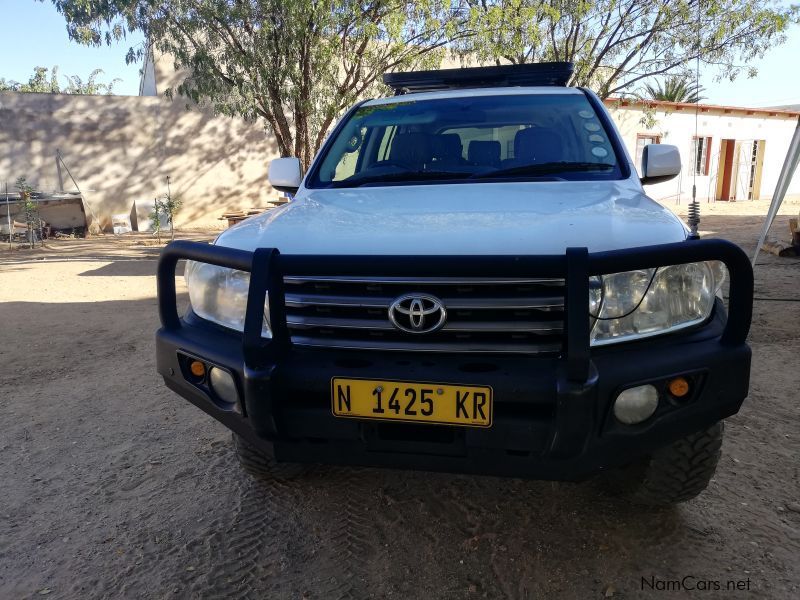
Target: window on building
(642, 140)
(701, 155)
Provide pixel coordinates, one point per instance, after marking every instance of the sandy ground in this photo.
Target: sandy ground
(111, 486)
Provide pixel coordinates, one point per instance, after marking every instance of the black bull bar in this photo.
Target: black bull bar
(267, 267)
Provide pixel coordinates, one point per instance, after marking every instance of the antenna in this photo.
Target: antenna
(693, 214)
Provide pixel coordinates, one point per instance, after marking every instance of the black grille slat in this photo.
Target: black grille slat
(453, 303)
(456, 315)
(499, 326)
(519, 315)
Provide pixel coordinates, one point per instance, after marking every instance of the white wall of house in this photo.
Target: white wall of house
(675, 124)
(147, 81)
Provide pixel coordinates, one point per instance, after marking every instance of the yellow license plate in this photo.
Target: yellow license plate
(436, 403)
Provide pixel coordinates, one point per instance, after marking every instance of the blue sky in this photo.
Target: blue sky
(34, 35)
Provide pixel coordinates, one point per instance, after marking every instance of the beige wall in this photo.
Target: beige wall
(120, 149)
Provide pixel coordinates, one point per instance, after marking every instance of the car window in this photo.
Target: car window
(502, 134)
(505, 137)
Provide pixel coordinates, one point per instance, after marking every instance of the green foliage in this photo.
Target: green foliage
(25, 189)
(293, 64)
(46, 82)
(155, 218)
(675, 89)
(76, 85)
(615, 44)
(171, 205)
(165, 209)
(42, 81)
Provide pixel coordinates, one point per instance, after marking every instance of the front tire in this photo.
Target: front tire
(261, 466)
(672, 474)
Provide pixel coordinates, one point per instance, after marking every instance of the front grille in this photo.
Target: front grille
(516, 315)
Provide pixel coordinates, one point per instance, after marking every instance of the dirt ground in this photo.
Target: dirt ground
(111, 486)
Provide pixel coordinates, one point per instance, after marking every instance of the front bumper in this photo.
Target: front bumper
(552, 416)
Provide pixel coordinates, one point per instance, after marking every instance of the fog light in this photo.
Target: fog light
(678, 387)
(197, 369)
(636, 404)
(222, 385)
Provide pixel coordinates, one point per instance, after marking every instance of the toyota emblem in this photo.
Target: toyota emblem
(417, 313)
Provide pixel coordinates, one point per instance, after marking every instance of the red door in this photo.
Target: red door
(727, 169)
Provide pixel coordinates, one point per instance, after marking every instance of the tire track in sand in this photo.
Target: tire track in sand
(248, 554)
(350, 543)
(310, 538)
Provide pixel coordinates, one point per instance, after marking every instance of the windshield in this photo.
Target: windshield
(509, 137)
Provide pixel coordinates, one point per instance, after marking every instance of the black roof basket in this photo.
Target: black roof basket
(544, 73)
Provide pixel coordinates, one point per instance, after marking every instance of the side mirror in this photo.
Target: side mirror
(660, 162)
(285, 174)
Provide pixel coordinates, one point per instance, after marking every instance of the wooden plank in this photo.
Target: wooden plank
(779, 248)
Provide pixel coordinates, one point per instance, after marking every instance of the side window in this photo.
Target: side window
(503, 134)
(472, 134)
(386, 143)
(346, 166)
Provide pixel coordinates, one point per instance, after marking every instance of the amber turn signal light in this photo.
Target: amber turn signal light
(678, 387)
(197, 369)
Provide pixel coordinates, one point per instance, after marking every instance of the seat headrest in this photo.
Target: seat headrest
(447, 146)
(411, 149)
(484, 152)
(538, 145)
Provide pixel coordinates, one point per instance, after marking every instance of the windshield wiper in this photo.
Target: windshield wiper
(356, 181)
(548, 168)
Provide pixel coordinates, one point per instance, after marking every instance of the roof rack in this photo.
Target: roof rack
(544, 73)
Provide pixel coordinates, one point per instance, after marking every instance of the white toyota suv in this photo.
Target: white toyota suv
(470, 278)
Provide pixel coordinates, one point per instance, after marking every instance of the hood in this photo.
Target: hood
(468, 219)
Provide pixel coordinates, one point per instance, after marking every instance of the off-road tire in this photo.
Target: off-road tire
(674, 473)
(260, 466)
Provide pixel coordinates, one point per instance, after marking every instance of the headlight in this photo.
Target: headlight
(219, 295)
(648, 302)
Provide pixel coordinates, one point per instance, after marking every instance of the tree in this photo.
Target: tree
(75, 84)
(42, 83)
(293, 64)
(155, 217)
(171, 205)
(31, 210)
(615, 44)
(675, 89)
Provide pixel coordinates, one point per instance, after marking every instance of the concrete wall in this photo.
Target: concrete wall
(677, 127)
(121, 148)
